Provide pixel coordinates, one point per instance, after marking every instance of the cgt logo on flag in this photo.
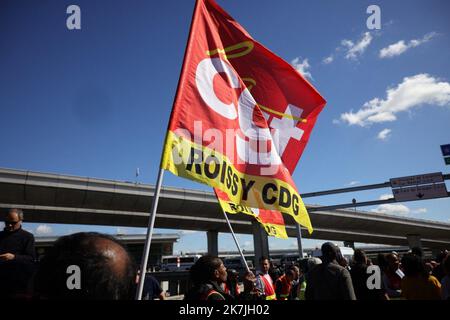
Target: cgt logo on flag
(241, 118)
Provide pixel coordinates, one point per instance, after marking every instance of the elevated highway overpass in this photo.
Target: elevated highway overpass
(56, 198)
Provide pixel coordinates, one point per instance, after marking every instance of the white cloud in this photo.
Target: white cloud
(395, 49)
(277, 243)
(328, 60)
(44, 229)
(357, 49)
(353, 183)
(420, 210)
(401, 46)
(412, 92)
(187, 232)
(302, 67)
(384, 134)
(121, 231)
(386, 196)
(28, 230)
(247, 245)
(293, 244)
(395, 209)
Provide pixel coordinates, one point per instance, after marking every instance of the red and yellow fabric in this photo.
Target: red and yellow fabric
(241, 118)
(284, 286)
(269, 290)
(271, 220)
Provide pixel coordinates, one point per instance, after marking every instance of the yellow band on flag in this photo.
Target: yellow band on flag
(272, 229)
(187, 159)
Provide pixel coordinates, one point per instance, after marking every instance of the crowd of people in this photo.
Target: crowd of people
(107, 271)
(329, 278)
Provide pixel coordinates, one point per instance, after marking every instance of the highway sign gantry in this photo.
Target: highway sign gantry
(423, 192)
(428, 178)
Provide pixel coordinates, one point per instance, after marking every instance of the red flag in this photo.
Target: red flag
(242, 116)
(271, 220)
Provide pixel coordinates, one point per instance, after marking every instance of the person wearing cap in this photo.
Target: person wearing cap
(329, 280)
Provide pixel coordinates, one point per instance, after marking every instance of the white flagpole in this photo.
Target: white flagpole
(161, 171)
(149, 235)
(235, 240)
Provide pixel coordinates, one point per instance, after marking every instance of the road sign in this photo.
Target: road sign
(445, 148)
(430, 191)
(417, 180)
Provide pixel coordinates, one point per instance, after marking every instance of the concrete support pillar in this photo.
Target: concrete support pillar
(260, 242)
(414, 241)
(213, 243)
(299, 240)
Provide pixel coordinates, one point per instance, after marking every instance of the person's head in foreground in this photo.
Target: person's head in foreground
(86, 265)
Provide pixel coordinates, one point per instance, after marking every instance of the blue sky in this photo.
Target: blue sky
(95, 102)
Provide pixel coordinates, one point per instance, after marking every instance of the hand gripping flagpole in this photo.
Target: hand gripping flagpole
(161, 171)
(235, 240)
